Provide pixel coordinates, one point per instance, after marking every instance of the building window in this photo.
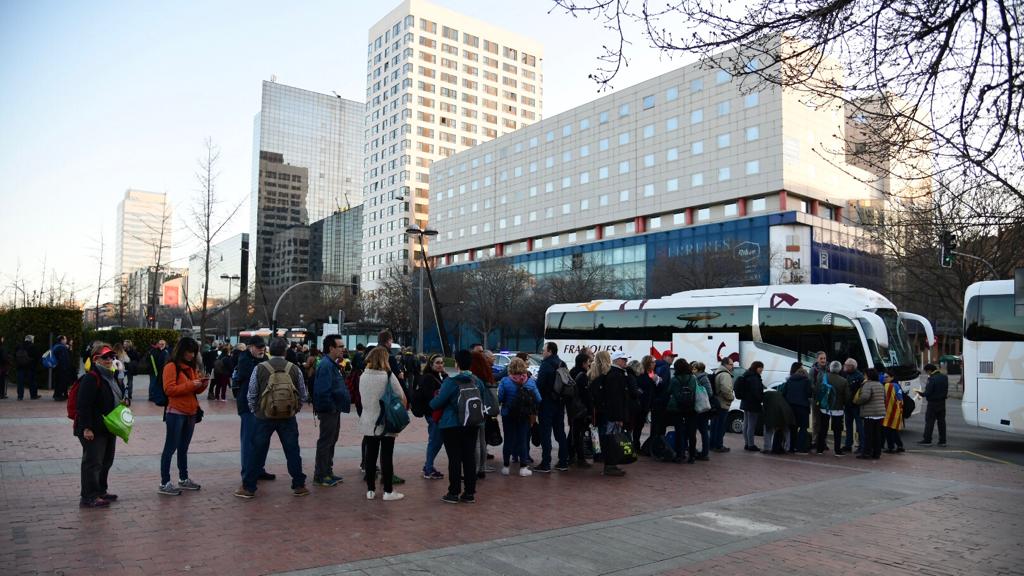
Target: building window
(649, 102)
(549, 162)
(751, 100)
(533, 191)
(672, 123)
(623, 195)
(584, 124)
(584, 177)
(572, 237)
(566, 130)
(624, 167)
(696, 85)
(672, 185)
(758, 205)
(567, 156)
(672, 154)
(703, 214)
(753, 167)
(724, 174)
(679, 218)
(538, 243)
(722, 76)
(671, 94)
(825, 212)
(723, 140)
(533, 142)
(549, 212)
(550, 136)
(609, 230)
(584, 151)
(602, 118)
(584, 204)
(517, 220)
(603, 200)
(554, 240)
(602, 172)
(723, 108)
(697, 179)
(731, 209)
(566, 209)
(623, 110)
(753, 133)
(697, 148)
(648, 190)
(602, 144)
(591, 234)
(623, 138)
(649, 131)
(697, 116)
(655, 223)
(533, 215)
(566, 182)
(549, 187)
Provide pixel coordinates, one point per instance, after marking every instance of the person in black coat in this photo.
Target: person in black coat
(579, 410)
(935, 392)
(611, 402)
(98, 394)
(796, 391)
(750, 391)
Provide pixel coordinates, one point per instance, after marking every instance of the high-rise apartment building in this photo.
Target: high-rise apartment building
(227, 257)
(143, 229)
(437, 82)
(306, 152)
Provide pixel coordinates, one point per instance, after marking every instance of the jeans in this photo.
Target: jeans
(460, 444)
(288, 433)
(836, 422)
(853, 421)
(717, 429)
(386, 446)
(872, 442)
(179, 436)
(434, 443)
(97, 458)
(701, 427)
(798, 433)
(129, 382)
(481, 447)
(517, 440)
(749, 428)
(935, 412)
(330, 425)
(248, 426)
(27, 376)
(769, 439)
(892, 438)
(552, 420)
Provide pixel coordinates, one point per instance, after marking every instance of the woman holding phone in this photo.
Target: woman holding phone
(182, 381)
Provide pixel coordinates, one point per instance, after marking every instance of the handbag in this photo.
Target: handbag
(492, 432)
(199, 415)
(622, 444)
(119, 421)
(701, 403)
(393, 414)
(535, 434)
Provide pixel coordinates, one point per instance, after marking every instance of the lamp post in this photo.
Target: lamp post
(418, 232)
(227, 328)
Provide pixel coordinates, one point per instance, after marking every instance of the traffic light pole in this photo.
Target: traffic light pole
(991, 268)
(273, 316)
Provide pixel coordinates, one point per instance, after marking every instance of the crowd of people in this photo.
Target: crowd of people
(604, 409)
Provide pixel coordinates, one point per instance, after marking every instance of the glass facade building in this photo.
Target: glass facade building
(307, 164)
(335, 246)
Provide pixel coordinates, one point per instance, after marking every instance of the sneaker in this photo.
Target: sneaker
(370, 494)
(543, 469)
(94, 503)
(562, 467)
(840, 454)
(109, 497)
(467, 499)
(941, 444)
(524, 472)
(300, 491)
(266, 476)
(450, 498)
(329, 481)
(188, 484)
(436, 475)
(925, 442)
(169, 489)
(396, 480)
(504, 470)
(389, 496)
(245, 494)
(613, 471)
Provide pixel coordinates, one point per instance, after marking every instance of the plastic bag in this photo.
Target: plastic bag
(119, 421)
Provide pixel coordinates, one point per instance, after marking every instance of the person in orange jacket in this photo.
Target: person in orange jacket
(182, 380)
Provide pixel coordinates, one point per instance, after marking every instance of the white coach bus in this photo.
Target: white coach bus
(993, 358)
(777, 325)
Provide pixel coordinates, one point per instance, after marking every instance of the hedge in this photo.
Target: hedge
(41, 323)
(142, 338)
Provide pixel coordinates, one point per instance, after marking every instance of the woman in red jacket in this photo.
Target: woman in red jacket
(182, 381)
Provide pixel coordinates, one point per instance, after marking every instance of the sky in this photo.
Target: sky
(103, 96)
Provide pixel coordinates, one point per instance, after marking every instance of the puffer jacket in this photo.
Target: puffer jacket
(872, 399)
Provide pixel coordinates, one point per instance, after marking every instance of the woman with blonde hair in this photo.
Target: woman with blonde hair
(519, 399)
(372, 384)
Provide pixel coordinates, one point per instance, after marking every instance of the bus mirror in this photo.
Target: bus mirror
(877, 326)
(928, 331)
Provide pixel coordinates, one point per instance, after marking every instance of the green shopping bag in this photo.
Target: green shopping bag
(119, 421)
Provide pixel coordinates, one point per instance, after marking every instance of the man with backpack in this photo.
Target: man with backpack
(275, 394)
(830, 395)
(25, 360)
(330, 399)
(851, 412)
(247, 362)
(721, 388)
(551, 376)
(461, 402)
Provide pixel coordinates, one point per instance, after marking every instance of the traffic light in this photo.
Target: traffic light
(948, 247)
(355, 285)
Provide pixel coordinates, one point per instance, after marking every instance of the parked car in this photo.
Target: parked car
(501, 360)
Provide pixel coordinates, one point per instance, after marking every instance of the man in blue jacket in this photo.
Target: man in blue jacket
(330, 399)
(552, 412)
(459, 441)
(64, 374)
(247, 362)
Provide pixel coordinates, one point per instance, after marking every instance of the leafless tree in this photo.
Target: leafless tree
(583, 280)
(938, 80)
(208, 220)
(392, 303)
(158, 239)
(494, 291)
(699, 270)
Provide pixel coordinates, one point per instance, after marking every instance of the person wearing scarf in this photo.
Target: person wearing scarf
(893, 421)
(516, 422)
(99, 392)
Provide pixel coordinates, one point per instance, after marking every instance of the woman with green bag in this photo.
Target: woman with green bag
(98, 394)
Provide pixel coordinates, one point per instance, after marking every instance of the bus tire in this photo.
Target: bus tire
(735, 422)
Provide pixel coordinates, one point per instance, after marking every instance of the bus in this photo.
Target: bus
(993, 358)
(777, 325)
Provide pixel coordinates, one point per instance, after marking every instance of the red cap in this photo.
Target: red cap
(103, 351)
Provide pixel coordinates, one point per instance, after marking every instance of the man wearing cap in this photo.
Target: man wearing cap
(247, 362)
(613, 408)
(663, 366)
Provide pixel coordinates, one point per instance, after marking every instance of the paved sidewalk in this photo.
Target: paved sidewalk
(740, 513)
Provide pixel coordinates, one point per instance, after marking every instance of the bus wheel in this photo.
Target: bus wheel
(735, 423)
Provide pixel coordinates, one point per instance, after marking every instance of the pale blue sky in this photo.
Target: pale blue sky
(101, 96)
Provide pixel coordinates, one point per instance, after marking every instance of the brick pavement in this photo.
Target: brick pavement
(738, 513)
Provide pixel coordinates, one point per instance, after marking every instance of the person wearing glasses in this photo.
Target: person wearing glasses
(98, 393)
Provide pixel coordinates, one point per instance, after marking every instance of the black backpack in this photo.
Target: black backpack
(523, 404)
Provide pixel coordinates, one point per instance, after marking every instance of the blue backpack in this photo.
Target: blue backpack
(156, 387)
(826, 393)
(50, 360)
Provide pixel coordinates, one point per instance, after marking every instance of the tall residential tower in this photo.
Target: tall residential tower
(437, 83)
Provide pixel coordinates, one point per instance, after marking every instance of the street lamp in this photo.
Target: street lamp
(418, 232)
(227, 328)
